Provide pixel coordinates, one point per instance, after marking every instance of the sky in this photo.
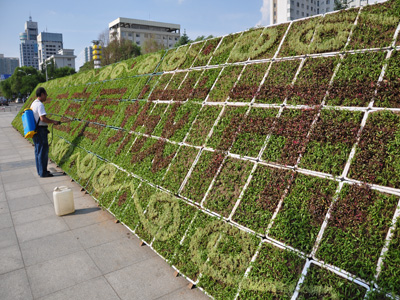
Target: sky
(80, 22)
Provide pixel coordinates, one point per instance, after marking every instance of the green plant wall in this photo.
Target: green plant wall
(263, 164)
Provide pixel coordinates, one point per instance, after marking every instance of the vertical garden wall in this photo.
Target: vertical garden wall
(263, 164)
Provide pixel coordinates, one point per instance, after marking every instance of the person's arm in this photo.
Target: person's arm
(45, 119)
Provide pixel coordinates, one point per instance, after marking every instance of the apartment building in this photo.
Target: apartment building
(8, 64)
(138, 31)
(288, 10)
(48, 44)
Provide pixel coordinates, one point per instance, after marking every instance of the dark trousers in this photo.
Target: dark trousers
(41, 150)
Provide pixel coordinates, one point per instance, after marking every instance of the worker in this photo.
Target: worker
(40, 138)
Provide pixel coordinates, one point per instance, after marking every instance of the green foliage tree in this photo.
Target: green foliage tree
(150, 45)
(341, 4)
(203, 37)
(183, 40)
(53, 72)
(22, 82)
(89, 65)
(119, 49)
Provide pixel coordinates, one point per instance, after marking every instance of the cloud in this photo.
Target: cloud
(265, 13)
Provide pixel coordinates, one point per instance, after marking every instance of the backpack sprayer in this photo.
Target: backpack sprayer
(28, 121)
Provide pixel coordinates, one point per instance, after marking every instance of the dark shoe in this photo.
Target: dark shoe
(48, 175)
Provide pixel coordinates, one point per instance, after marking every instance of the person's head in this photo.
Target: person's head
(41, 94)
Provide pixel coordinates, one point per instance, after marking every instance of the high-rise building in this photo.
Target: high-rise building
(284, 11)
(88, 54)
(8, 64)
(28, 47)
(48, 44)
(138, 31)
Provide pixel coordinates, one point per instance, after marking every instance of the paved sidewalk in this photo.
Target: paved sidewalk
(85, 255)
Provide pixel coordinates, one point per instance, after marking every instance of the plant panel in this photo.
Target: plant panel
(356, 231)
(206, 52)
(277, 84)
(331, 141)
(261, 198)
(356, 81)
(376, 26)
(180, 166)
(172, 88)
(159, 88)
(303, 211)
(254, 131)
(389, 279)
(240, 51)
(274, 274)
(299, 37)
(221, 54)
(204, 84)
(192, 54)
(313, 81)
(227, 129)
(288, 136)
(377, 156)
(323, 284)
(389, 89)
(202, 175)
(224, 84)
(174, 59)
(267, 44)
(332, 33)
(202, 125)
(228, 186)
(249, 82)
(177, 121)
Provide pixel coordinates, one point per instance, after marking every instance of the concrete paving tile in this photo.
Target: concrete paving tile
(153, 278)
(185, 294)
(61, 273)
(40, 228)
(33, 214)
(16, 176)
(16, 185)
(24, 192)
(2, 196)
(84, 201)
(49, 247)
(94, 289)
(28, 202)
(5, 220)
(10, 158)
(119, 254)
(15, 286)
(100, 233)
(7, 237)
(4, 208)
(10, 259)
(86, 216)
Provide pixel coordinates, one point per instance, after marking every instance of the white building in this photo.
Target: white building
(48, 44)
(284, 11)
(138, 31)
(28, 47)
(8, 64)
(88, 53)
(63, 58)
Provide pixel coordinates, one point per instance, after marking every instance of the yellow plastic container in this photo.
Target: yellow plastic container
(63, 200)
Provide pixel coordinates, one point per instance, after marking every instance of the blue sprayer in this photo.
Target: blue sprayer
(28, 120)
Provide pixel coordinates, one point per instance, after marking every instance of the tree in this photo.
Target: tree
(53, 72)
(118, 50)
(341, 4)
(104, 38)
(183, 40)
(22, 82)
(202, 37)
(150, 45)
(89, 65)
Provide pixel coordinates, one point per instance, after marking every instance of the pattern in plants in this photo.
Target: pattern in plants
(263, 164)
